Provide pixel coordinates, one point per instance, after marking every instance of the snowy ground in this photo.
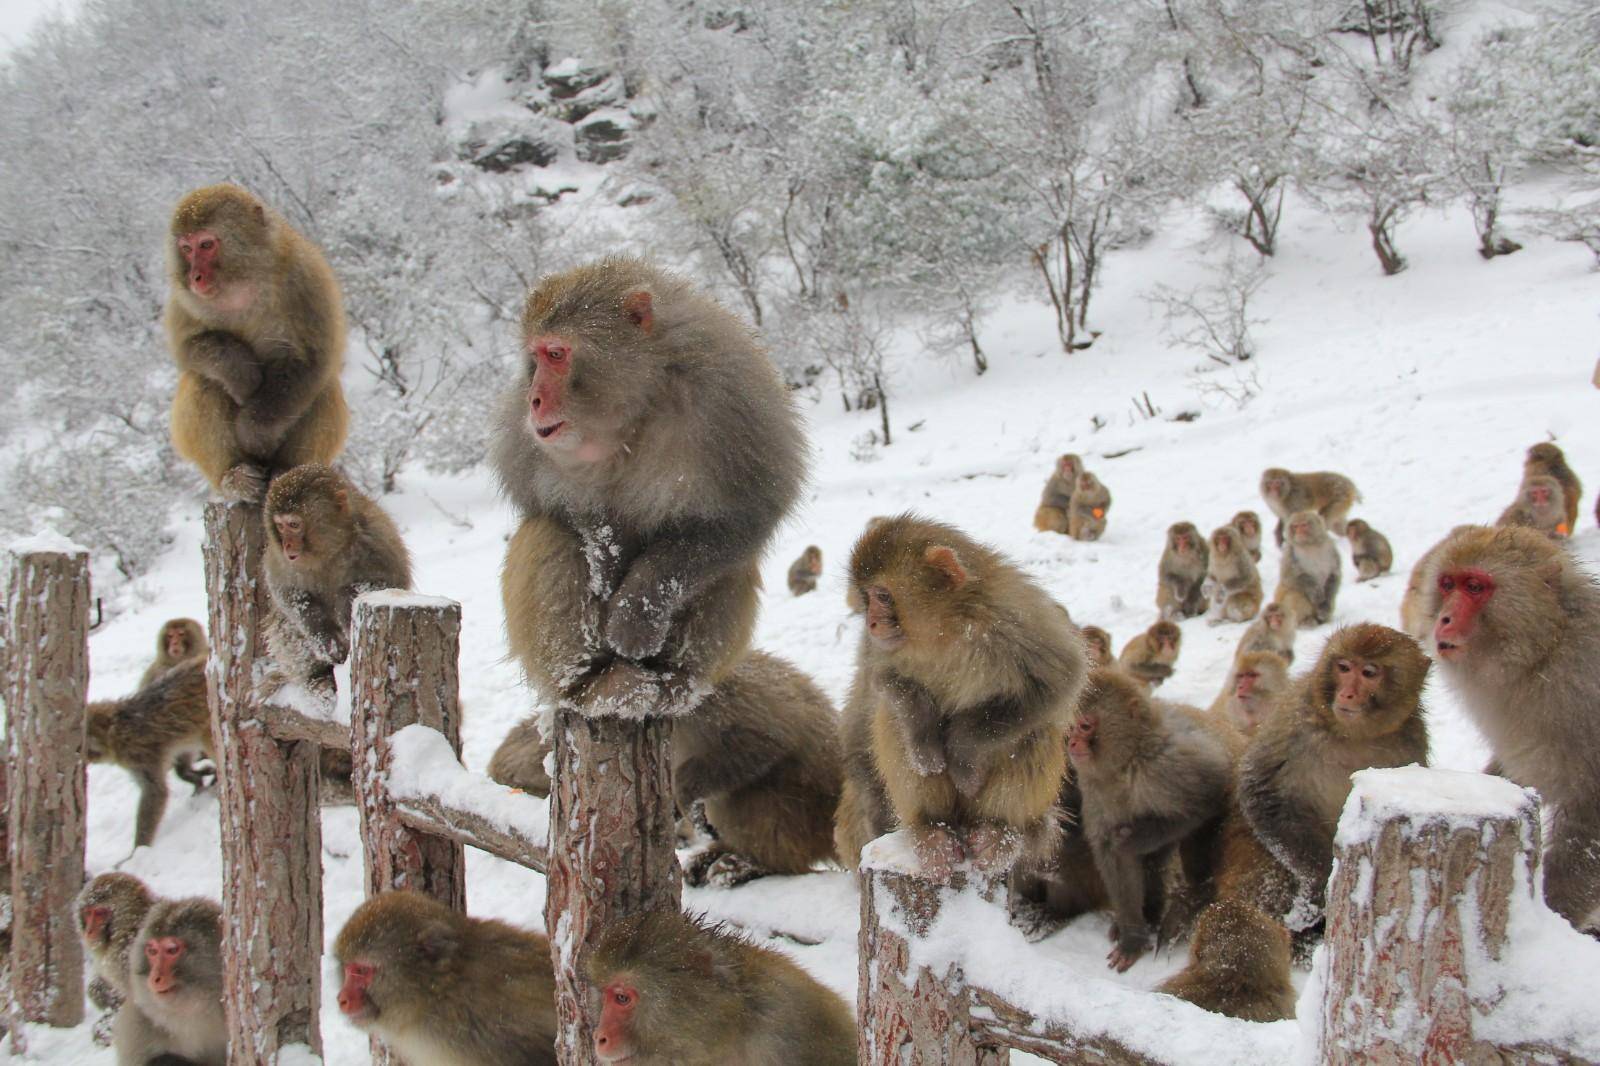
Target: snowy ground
(1425, 388)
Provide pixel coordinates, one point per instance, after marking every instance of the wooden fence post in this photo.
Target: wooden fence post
(405, 653)
(1428, 861)
(46, 687)
(271, 827)
(612, 830)
(907, 1015)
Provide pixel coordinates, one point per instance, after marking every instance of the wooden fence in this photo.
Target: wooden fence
(1419, 951)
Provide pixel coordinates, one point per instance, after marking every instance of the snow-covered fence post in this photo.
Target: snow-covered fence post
(612, 829)
(271, 828)
(46, 685)
(404, 670)
(910, 1015)
(1427, 865)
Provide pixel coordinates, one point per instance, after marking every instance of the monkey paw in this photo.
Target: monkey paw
(624, 690)
(245, 483)
(730, 870)
(1034, 921)
(1132, 944)
(993, 847)
(102, 1029)
(939, 851)
(698, 867)
(638, 625)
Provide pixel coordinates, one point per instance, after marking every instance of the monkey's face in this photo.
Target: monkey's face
(1306, 531)
(1274, 484)
(1464, 595)
(1081, 740)
(1067, 467)
(883, 618)
(163, 966)
(355, 999)
(614, 1039)
(201, 252)
(291, 530)
(1248, 526)
(96, 922)
(177, 643)
(1222, 543)
(1182, 538)
(1356, 684)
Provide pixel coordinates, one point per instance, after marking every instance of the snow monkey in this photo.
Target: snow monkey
(1181, 574)
(804, 571)
(438, 987)
(1330, 495)
(1539, 505)
(972, 672)
(174, 1013)
(1274, 631)
(1238, 965)
(1545, 459)
(1516, 632)
(1257, 681)
(1090, 502)
(1234, 584)
(1055, 503)
(1370, 553)
(256, 324)
(1309, 571)
(178, 639)
(1149, 658)
(652, 449)
(1248, 523)
(111, 908)
(677, 992)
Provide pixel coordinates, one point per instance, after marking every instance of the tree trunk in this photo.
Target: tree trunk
(46, 688)
(271, 830)
(612, 829)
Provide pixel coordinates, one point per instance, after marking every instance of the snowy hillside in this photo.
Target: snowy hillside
(1425, 388)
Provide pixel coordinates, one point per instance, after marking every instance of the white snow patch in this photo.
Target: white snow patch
(423, 765)
(1417, 796)
(47, 540)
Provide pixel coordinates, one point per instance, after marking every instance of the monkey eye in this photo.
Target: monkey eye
(185, 247)
(621, 998)
(207, 244)
(1474, 587)
(1369, 671)
(1446, 583)
(1343, 666)
(151, 949)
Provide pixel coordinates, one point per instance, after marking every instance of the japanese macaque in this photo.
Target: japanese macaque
(1255, 685)
(1539, 505)
(1369, 550)
(174, 1010)
(1150, 657)
(1090, 502)
(519, 760)
(256, 324)
(762, 753)
(179, 640)
(652, 449)
(1097, 642)
(1181, 575)
(327, 543)
(973, 672)
(439, 987)
(1061, 883)
(677, 992)
(804, 571)
(1329, 495)
(863, 813)
(1547, 460)
(1232, 582)
(1248, 523)
(1516, 632)
(1274, 631)
(145, 733)
(1055, 504)
(1154, 778)
(1359, 706)
(111, 908)
(1238, 965)
(1309, 571)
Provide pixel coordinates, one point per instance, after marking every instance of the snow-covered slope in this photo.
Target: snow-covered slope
(1425, 388)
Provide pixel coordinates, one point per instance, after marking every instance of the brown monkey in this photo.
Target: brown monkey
(174, 1010)
(762, 753)
(1274, 631)
(652, 449)
(256, 324)
(1414, 620)
(1149, 658)
(327, 543)
(863, 813)
(1547, 460)
(804, 571)
(1090, 502)
(677, 992)
(146, 732)
(1154, 778)
(439, 987)
(1248, 523)
(1369, 550)
(1062, 882)
(1258, 680)
(974, 673)
(1539, 505)
(111, 908)
(178, 640)
(1330, 495)
(1181, 574)
(519, 760)
(1055, 504)
(1238, 965)
(1359, 706)
(1233, 583)
(1097, 642)
(1309, 571)
(1516, 632)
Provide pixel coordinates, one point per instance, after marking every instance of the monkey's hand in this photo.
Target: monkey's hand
(225, 359)
(641, 612)
(1132, 943)
(258, 436)
(245, 483)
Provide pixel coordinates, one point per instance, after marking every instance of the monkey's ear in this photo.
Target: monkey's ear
(946, 562)
(261, 215)
(637, 306)
(341, 499)
(437, 942)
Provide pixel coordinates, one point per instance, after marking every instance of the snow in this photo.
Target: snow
(391, 599)
(1426, 388)
(1423, 797)
(46, 541)
(423, 765)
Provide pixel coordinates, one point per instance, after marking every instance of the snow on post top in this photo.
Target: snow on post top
(389, 599)
(894, 852)
(1419, 796)
(46, 540)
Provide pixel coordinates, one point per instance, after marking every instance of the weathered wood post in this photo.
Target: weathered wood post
(1428, 862)
(271, 828)
(405, 655)
(910, 1015)
(46, 686)
(611, 850)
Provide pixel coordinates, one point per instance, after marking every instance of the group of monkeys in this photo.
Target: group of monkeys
(651, 449)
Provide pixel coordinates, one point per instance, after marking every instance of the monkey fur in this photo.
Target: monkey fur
(183, 1022)
(1180, 576)
(1309, 570)
(1330, 495)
